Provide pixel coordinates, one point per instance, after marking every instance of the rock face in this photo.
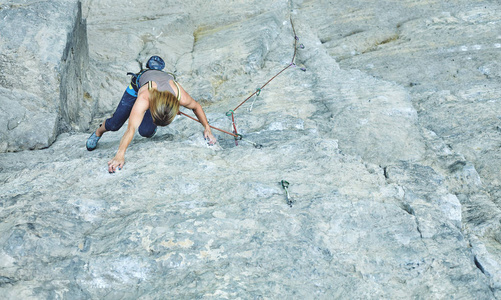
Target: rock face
(43, 58)
(390, 142)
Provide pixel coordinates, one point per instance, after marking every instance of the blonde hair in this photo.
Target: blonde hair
(164, 107)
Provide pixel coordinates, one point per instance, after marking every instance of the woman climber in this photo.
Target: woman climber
(152, 99)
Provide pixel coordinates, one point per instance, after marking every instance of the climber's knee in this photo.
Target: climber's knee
(113, 124)
(147, 131)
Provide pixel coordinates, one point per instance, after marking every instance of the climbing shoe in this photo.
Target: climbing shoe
(92, 141)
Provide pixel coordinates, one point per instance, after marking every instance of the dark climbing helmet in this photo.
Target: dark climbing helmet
(155, 63)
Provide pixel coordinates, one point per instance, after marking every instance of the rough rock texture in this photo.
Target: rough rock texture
(43, 60)
(390, 141)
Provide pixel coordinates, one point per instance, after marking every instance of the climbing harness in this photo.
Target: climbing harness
(231, 113)
(288, 198)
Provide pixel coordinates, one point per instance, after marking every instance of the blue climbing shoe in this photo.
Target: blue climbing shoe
(92, 141)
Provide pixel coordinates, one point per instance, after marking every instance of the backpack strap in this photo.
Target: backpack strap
(171, 74)
(178, 91)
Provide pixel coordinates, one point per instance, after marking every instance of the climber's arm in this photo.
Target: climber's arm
(135, 119)
(187, 101)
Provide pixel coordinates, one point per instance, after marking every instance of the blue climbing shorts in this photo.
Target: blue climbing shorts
(122, 113)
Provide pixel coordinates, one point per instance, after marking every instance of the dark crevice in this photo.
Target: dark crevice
(419, 230)
(478, 265)
(457, 166)
(7, 280)
(389, 39)
(353, 33)
(323, 41)
(408, 209)
(375, 47)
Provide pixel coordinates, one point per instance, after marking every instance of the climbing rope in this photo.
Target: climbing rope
(258, 91)
(232, 134)
(231, 112)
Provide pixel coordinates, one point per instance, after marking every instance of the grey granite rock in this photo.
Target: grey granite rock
(43, 58)
(392, 161)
